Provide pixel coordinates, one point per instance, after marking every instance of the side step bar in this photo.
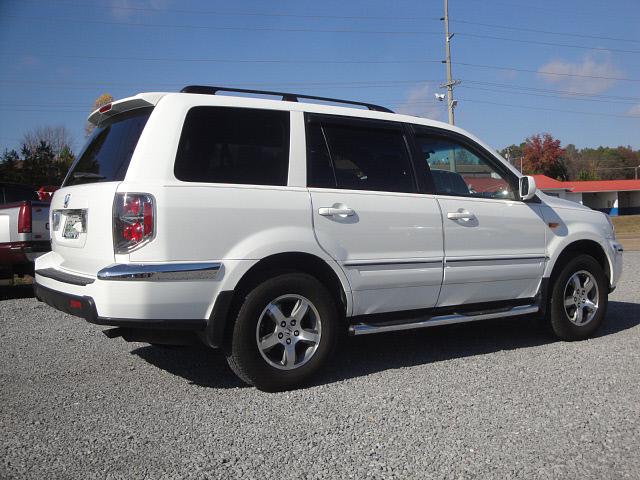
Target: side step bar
(365, 328)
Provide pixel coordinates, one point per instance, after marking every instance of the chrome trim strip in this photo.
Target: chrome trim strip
(160, 271)
(365, 329)
(493, 259)
(399, 261)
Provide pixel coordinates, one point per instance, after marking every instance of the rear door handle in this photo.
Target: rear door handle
(464, 215)
(331, 211)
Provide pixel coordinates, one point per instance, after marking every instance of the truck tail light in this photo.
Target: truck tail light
(133, 221)
(24, 218)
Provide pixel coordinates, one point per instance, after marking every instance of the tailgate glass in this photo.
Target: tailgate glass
(106, 155)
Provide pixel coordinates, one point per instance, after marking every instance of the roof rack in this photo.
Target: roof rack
(287, 97)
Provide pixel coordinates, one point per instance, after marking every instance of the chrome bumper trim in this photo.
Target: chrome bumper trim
(160, 271)
(364, 328)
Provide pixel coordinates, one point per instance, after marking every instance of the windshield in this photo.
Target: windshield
(107, 153)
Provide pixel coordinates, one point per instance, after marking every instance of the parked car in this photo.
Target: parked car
(269, 228)
(24, 230)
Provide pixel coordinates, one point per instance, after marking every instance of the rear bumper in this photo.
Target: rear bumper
(85, 307)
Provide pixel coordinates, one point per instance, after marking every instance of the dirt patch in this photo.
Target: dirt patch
(630, 241)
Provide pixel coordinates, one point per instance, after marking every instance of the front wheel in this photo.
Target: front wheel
(285, 331)
(578, 299)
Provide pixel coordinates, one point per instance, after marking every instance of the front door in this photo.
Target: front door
(369, 216)
(494, 243)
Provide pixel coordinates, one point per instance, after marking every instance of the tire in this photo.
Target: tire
(272, 355)
(591, 289)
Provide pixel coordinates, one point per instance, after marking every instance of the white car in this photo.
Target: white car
(269, 228)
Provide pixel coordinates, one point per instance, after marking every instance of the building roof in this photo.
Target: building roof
(546, 183)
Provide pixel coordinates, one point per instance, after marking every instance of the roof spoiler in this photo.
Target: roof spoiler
(131, 103)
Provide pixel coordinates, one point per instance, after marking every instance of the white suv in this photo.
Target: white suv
(269, 228)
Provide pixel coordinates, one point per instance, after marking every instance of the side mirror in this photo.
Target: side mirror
(527, 188)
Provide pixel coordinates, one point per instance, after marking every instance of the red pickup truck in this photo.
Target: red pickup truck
(24, 230)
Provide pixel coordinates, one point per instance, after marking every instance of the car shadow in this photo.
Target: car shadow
(360, 356)
(16, 292)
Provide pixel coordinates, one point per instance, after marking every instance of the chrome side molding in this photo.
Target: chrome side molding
(366, 329)
(160, 271)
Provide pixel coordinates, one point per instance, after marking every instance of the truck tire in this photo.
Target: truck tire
(579, 297)
(285, 331)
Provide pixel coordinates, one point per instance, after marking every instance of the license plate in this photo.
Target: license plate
(74, 225)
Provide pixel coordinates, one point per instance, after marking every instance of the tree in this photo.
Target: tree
(58, 138)
(9, 166)
(103, 99)
(544, 155)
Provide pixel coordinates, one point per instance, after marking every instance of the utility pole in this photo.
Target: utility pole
(451, 103)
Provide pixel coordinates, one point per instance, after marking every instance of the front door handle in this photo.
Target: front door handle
(331, 211)
(463, 215)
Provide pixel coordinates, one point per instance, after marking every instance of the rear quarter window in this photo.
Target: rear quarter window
(234, 145)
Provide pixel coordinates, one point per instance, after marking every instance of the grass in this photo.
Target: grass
(627, 224)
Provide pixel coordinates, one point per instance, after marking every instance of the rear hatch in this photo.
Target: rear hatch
(82, 210)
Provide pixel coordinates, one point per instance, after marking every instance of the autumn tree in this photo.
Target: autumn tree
(103, 99)
(544, 155)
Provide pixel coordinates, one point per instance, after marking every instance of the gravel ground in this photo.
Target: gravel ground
(488, 400)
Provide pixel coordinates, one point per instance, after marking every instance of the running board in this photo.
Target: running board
(365, 328)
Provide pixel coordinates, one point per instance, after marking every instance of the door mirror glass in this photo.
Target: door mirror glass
(527, 188)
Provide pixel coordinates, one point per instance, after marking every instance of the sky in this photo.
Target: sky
(569, 68)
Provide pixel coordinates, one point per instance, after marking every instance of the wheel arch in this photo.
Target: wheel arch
(585, 246)
(228, 302)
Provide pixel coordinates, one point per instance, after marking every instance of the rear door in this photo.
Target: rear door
(494, 244)
(82, 210)
(369, 216)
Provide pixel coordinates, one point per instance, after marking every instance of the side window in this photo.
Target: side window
(366, 158)
(456, 170)
(234, 145)
(319, 169)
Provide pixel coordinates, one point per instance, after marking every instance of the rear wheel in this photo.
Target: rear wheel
(578, 299)
(285, 331)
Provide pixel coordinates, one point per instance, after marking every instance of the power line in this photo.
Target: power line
(531, 107)
(211, 27)
(546, 72)
(547, 95)
(238, 14)
(224, 60)
(548, 32)
(548, 44)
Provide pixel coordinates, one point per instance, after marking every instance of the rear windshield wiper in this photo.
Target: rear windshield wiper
(88, 175)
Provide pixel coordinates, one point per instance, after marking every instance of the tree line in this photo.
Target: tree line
(45, 156)
(543, 154)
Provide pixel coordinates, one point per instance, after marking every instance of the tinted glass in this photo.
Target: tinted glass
(456, 170)
(234, 145)
(107, 153)
(319, 169)
(370, 159)
(14, 193)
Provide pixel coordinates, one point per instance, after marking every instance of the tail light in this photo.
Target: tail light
(24, 218)
(133, 221)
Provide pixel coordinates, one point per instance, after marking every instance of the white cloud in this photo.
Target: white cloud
(582, 76)
(635, 110)
(420, 102)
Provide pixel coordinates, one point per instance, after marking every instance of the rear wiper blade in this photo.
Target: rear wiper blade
(88, 175)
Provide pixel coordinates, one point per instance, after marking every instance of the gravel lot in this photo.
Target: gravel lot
(496, 399)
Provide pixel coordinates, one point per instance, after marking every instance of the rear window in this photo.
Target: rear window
(234, 145)
(106, 155)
